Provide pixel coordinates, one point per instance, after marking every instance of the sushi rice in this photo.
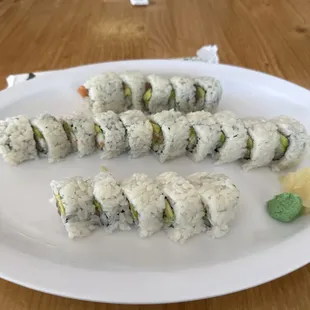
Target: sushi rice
(186, 206)
(74, 201)
(113, 205)
(147, 203)
(81, 133)
(220, 198)
(51, 138)
(138, 132)
(17, 143)
(110, 134)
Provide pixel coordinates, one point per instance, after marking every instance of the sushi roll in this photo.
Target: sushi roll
(139, 132)
(183, 94)
(158, 94)
(170, 135)
(110, 134)
(81, 133)
(74, 202)
(233, 140)
(146, 202)
(208, 93)
(134, 89)
(104, 92)
(204, 135)
(50, 136)
(111, 203)
(184, 213)
(17, 143)
(220, 198)
(292, 145)
(262, 142)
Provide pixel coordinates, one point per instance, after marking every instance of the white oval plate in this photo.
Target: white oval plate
(121, 268)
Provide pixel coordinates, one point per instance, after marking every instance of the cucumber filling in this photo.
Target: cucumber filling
(282, 147)
(192, 139)
(200, 93)
(249, 147)
(70, 135)
(134, 213)
(59, 205)
(99, 137)
(168, 215)
(127, 90)
(148, 94)
(158, 137)
(97, 207)
(221, 141)
(41, 144)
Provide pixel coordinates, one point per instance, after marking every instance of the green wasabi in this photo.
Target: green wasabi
(285, 207)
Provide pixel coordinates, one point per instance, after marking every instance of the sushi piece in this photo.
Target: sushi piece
(183, 96)
(293, 143)
(50, 136)
(262, 142)
(208, 93)
(104, 92)
(158, 94)
(220, 198)
(170, 135)
(233, 140)
(111, 203)
(184, 213)
(146, 202)
(110, 134)
(134, 89)
(17, 143)
(204, 135)
(74, 202)
(81, 133)
(139, 132)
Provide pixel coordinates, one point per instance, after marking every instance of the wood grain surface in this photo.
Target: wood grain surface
(271, 36)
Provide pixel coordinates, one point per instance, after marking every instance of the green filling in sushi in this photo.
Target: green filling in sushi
(134, 213)
(221, 141)
(59, 204)
(40, 140)
(168, 215)
(148, 94)
(282, 147)
(249, 147)
(192, 140)
(127, 90)
(98, 207)
(200, 93)
(99, 136)
(158, 137)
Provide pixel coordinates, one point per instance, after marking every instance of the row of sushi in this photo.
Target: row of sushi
(152, 93)
(183, 207)
(280, 142)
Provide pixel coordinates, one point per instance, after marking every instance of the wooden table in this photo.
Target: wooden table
(271, 36)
